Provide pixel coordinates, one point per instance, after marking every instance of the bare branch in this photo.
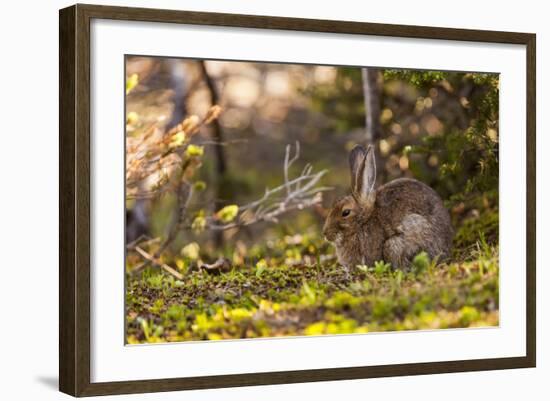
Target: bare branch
(294, 194)
(224, 143)
(288, 162)
(184, 195)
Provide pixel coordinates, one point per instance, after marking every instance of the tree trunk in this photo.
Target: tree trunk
(221, 164)
(178, 83)
(371, 93)
(137, 221)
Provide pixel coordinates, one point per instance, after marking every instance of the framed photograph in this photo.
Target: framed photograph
(249, 200)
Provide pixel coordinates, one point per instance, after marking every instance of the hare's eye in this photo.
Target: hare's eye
(346, 212)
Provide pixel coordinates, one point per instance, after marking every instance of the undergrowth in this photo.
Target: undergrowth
(295, 292)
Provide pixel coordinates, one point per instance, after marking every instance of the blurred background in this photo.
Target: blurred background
(438, 127)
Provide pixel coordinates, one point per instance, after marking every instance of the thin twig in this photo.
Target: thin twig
(161, 157)
(225, 143)
(288, 162)
(294, 194)
(185, 193)
(157, 262)
(142, 239)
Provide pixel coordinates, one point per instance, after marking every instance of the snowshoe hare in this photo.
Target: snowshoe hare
(392, 223)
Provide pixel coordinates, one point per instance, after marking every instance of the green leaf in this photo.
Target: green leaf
(199, 222)
(228, 213)
(194, 151)
(131, 82)
(199, 186)
(191, 251)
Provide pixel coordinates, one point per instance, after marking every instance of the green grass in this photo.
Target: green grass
(293, 293)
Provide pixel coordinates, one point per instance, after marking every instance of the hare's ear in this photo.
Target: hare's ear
(363, 173)
(356, 165)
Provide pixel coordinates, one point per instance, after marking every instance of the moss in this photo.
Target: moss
(314, 299)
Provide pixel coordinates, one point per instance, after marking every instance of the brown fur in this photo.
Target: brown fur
(393, 223)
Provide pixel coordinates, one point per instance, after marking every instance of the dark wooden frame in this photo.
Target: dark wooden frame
(74, 199)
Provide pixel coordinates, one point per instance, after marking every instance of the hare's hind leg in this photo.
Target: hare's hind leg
(395, 252)
(413, 237)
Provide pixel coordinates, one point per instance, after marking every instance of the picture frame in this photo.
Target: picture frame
(76, 201)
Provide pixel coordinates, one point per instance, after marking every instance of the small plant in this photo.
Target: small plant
(421, 262)
(381, 267)
(260, 267)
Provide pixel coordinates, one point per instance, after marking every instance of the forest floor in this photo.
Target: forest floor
(294, 292)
